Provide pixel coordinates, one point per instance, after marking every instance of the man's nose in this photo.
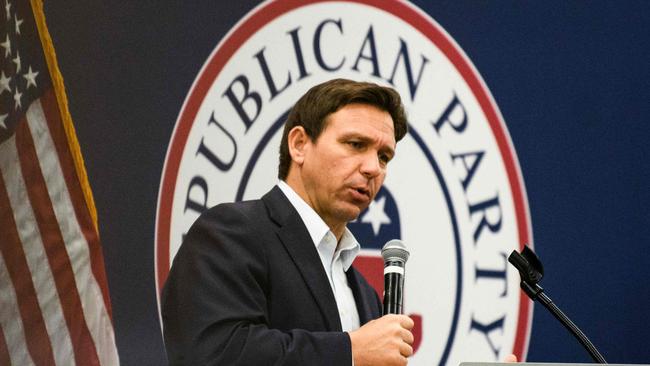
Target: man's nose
(370, 165)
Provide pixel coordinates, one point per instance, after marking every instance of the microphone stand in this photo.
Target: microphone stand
(531, 271)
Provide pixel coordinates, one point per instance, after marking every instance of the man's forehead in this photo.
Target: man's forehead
(351, 117)
(376, 134)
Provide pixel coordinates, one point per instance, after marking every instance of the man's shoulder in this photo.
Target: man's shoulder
(226, 223)
(237, 206)
(244, 210)
(271, 204)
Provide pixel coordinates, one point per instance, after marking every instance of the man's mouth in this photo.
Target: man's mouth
(365, 192)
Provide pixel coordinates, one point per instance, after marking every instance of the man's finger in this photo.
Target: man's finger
(407, 336)
(405, 350)
(406, 322)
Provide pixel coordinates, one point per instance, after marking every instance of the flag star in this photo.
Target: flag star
(8, 10)
(7, 46)
(376, 215)
(4, 83)
(30, 77)
(17, 97)
(16, 60)
(3, 117)
(18, 23)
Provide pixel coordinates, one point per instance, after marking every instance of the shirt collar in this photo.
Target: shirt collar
(348, 247)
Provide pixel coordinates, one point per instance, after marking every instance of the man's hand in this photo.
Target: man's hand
(384, 341)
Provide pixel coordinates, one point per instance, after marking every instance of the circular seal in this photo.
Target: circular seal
(454, 192)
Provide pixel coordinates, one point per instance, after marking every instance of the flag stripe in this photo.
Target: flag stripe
(84, 349)
(4, 351)
(96, 315)
(37, 337)
(15, 352)
(55, 124)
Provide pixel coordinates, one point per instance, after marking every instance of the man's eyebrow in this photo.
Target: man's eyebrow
(387, 149)
(355, 136)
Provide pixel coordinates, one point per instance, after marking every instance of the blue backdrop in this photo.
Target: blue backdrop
(572, 82)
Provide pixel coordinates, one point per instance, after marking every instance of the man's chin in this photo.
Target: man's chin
(352, 213)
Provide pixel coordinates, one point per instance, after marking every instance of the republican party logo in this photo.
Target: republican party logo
(454, 192)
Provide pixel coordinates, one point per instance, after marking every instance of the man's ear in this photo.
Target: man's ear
(298, 142)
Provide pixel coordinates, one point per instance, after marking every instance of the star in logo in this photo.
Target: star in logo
(376, 216)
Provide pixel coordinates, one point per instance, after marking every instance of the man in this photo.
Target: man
(269, 281)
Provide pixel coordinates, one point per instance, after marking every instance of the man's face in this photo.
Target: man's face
(344, 168)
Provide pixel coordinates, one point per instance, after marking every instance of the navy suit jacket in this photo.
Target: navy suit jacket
(247, 287)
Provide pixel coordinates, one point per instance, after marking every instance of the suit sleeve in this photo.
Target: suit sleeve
(214, 303)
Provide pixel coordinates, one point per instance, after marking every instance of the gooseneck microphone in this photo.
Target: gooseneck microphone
(395, 256)
(531, 272)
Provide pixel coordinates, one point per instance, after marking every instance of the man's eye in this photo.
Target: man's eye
(384, 158)
(355, 144)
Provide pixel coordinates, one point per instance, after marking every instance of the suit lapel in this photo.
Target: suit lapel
(364, 307)
(294, 236)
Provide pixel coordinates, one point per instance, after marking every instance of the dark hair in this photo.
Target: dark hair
(313, 108)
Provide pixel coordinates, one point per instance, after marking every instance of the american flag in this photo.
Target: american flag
(54, 303)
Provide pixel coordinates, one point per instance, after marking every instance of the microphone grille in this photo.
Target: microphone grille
(395, 250)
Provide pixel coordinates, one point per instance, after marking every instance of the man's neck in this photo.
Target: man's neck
(297, 186)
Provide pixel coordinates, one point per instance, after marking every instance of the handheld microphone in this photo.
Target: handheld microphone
(395, 256)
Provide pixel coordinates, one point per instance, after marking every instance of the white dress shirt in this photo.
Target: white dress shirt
(335, 257)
